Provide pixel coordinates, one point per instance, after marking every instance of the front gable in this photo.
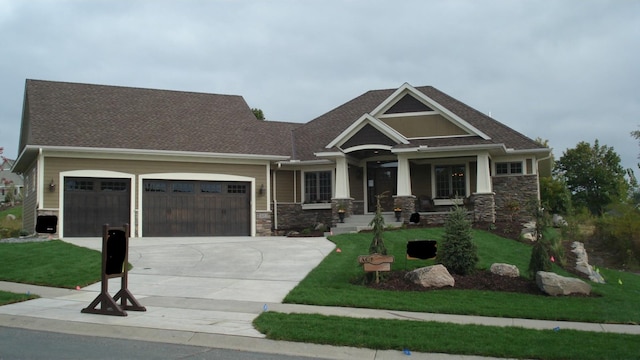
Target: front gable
(367, 132)
(416, 116)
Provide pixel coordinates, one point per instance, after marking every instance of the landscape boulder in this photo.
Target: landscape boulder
(558, 221)
(431, 276)
(582, 263)
(504, 270)
(11, 217)
(528, 231)
(554, 284)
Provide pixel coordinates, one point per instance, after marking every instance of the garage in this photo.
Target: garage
(195, 208)
(91, 202)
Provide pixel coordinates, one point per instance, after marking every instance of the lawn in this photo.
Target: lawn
(337, 282)
(49, 263)
(434, 337)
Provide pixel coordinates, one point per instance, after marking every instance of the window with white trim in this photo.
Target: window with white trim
(450, 181)
(317, 187)
(509, 168)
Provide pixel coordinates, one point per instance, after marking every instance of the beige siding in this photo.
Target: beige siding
(356, 188)
(424, 126)
(421, 179)
(54, 166)
(284, 187)
(30, 201)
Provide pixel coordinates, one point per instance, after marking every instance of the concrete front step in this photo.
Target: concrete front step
(357, 223)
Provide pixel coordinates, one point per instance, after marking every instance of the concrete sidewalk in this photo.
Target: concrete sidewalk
(207, 291)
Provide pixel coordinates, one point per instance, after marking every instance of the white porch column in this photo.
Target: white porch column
(342, 179)
(404, 176)
(483, 185)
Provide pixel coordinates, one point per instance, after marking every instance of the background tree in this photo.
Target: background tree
(258, 113)
(458, 253)
(593, 174)
(554, 195)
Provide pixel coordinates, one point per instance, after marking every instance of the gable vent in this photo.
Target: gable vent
(408, 104)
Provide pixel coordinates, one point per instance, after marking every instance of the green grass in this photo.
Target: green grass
(10, 298)
(335, 282)
(49, 263)
(512, 342)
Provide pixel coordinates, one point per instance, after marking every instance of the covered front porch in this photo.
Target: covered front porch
(410, 182)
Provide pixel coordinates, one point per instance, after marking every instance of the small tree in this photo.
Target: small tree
(458, 253)
(377, 244)
(544, 247)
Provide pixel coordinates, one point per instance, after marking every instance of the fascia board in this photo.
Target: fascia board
(396, 94)
(64, 151)
(426, 149)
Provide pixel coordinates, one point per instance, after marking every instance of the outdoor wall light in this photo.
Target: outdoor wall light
(52, 186)
(261, 191)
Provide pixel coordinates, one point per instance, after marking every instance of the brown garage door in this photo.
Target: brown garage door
(196, 208)
(91, 202)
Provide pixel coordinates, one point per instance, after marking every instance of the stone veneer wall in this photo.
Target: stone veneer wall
(263, 223)
(291, 216)
(337, 204)
(514, 195)
(49, 212)
(484, 208)
(407, 204)
(357, 207)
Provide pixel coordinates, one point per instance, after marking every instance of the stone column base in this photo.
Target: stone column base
(484, 207)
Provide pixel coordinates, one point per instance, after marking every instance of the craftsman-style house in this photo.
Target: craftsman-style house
(174, 163)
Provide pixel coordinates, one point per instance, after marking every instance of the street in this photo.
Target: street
(18, 343)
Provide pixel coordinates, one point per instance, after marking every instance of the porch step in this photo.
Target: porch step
(357, 223)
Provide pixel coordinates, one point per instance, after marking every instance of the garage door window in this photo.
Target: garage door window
(237, 189)
(210, 188)
(182, 187)
(155, 186)
(113, 186)
(79, 185)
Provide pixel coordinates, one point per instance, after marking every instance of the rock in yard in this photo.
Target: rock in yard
(558, 221)
(528, 231)
(582, 263)
(505, 270)
(11, 217)
(431, 276)
(554, 284)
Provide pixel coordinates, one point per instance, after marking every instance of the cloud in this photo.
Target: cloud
(555, 70)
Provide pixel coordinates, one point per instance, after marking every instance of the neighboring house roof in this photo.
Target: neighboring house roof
(7, 178)
(98, 116)
(312, 137)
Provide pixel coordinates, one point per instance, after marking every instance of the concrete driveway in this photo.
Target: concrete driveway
(212, 285)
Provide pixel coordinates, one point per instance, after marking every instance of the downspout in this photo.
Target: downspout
(275, 200)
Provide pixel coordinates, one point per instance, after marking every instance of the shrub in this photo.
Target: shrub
(619, 229)
(458, 253)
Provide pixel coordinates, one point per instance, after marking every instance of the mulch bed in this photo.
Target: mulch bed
(479, 280)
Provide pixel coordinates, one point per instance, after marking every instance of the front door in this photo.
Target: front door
(382, 178)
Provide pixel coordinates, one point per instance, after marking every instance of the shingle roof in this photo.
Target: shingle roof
(316, 134)
(99, 116)
(84, 115)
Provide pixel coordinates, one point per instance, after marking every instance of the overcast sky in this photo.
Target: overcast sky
(566, 71)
